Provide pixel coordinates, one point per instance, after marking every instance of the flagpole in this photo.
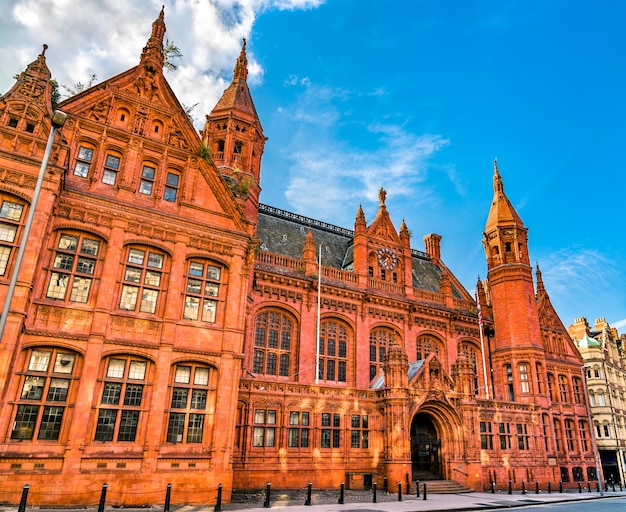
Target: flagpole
(319, 301)
(482, 344)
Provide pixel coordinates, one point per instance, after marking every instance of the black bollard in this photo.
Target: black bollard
(523, 487)
(424, 490)
(580, 489)
(598, 485)
(620, 486)
(168, 496)
(308, 494)
(613, 486)
(493, 487)
(408, 484)
(549, 488)
(103, 497)
(536, 487)
(417, 487)
(374, 486)
(510, 487)
(266, 503)
(341, 494)
(22, 506)
(385, 488)
(561, 486)
(588, 486)
(218, 503)
(399, 491)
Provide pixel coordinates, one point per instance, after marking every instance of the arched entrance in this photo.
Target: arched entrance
(425, 449)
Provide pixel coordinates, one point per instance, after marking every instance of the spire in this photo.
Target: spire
(237, 96)
(241, 68)
(540, 287)
(153, 51)
(33, 85)
(360, 224)
(502, 211)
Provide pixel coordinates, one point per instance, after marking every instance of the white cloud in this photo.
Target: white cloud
(106, 37)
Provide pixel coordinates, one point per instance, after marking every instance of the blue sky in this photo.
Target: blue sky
(417, 96)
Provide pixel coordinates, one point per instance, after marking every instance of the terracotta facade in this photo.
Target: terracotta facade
(166, 327)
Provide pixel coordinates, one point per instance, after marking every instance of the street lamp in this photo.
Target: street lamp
(58, 120)
(593, 436)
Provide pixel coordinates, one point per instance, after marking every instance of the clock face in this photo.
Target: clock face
(387, 258)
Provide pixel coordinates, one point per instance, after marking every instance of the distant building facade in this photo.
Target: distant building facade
(602, 350)
(166, 327)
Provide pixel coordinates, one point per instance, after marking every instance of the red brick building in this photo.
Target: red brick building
(164, 323)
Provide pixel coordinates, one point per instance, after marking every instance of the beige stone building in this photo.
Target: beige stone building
(602, 350)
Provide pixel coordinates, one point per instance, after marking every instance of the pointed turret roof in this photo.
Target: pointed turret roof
(153, 51)
(502, 211)
(237, 95)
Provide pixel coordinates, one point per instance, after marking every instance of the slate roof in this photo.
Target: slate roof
(282, 232)
(414, 366)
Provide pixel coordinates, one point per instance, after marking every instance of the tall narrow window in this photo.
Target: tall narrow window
(522, 436)
(379, 342)
(563, 389)
(334, 336)
(171, 186)
(298, 433)
(146, 183)
(539, 373)
(203, 291)
(11, 222)
(583, 429)
(569, 435)
(359, 435)
(44, 394)
(143, 280)
(111, 168)
(264, 430)
(83, 161)
(551, 387)
(192, 399)
(274, 338)
(558, 435)
(486, 435)
(330, 432)
(508, 375)
(523, 377)
(505, 436)
(121, 399)
(73, 267)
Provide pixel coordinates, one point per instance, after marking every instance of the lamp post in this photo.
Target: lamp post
(58, 120)
(593, 436)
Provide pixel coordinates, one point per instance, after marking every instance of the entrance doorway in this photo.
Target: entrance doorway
(425, 449)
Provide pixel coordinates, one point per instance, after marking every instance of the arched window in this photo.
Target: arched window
(84, 159)
(12, 218)
(508, 378)
(539, 374)
(74, 266)
(558, 435)
(172, 184)
(379, 343)
(472, 354)
(335, 336)
(569, 435)
(551, 387)
(524, 378)
(426, 345)
(143, 279)
(122, 398)
(46, 383)
(148, 175)
(583, 428)
(205, 283)
(274, 344)
(564, 395)
(111, 168)
(193, 397)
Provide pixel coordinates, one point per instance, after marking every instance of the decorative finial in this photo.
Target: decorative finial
(498, 186)
(43, 52)
(382, 195)
(241, 67)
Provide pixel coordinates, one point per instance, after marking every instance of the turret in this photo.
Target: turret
(234, 137)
